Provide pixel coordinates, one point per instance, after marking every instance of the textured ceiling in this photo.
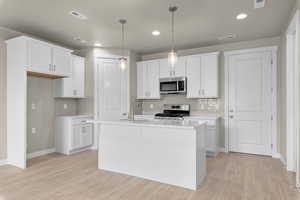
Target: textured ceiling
(198, 22)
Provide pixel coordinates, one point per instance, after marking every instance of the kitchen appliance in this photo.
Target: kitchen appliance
(174, 112)
(176, 85)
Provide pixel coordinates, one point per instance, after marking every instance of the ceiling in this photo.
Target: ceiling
(197, 22)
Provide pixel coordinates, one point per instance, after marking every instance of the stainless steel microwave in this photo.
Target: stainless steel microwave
(176, 85)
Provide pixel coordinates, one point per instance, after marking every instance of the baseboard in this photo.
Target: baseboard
(223, 150)
(3, 162)
(40, 153)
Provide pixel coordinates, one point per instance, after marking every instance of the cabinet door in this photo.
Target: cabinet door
(78, 76)
(146, 92)
(76, 137)
(40, 57)
(140, 84)
(193, 68)
(165, 69)
(61, 61)
(180, 67)
(86, 135)
(153, 79)
(209, 76)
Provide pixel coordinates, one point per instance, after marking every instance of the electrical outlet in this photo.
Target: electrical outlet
(151, 106)
(33, 130)
(33, 107)
(65, 106)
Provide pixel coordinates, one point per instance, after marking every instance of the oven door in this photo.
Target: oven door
(168, 87)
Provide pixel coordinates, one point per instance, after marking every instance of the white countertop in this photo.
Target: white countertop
(155, 123)
(206, 116)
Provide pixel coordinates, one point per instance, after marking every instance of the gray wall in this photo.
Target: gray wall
(40, 93)
(2, 101)
(219, 104)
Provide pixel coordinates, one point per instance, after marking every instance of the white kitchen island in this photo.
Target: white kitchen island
(170, 152)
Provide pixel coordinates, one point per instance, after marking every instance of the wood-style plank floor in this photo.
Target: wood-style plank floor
(230, 177)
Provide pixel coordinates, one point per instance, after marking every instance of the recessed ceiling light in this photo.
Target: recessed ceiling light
(83, 41)
(78, 15)
(155, 33)
(241, 16)
(97, 44)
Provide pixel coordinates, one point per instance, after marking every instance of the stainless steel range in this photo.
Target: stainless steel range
(174, 112)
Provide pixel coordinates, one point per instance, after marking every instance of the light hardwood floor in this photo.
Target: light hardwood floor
(230, 176)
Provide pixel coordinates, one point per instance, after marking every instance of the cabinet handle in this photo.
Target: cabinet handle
(54, 67)
(74, 92)
(50, 67)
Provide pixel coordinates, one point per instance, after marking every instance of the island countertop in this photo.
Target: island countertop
(154, 123)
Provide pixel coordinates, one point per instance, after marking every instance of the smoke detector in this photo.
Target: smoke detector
(78, 15)
(259, 3)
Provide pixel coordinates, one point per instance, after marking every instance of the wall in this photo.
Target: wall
(42, 117)
(2, 101)
(197, 104)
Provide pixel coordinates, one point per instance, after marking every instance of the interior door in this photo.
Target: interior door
(113, 90)
(250, 103)
(40, 57)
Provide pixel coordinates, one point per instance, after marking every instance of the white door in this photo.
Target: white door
(113, 90)
(78, 76)
(180, 67)
(61, 61)
(140, 82)
(153, 79)
(40, 57)
(76, 137)
(165, 70)
(209, 75)
(193, 71)
(250, 101)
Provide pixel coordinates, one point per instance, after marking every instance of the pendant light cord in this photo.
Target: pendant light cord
(173, 40)
(123, 22)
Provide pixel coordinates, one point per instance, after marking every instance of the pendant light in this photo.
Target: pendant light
(172, 56)
(123, 59)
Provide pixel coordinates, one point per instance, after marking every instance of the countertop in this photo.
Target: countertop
(207, 116)
(155, 123)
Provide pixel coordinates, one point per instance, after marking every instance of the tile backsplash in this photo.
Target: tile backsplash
(197, 105)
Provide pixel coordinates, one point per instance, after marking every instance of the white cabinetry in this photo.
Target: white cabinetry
(202, 75)
(148, 80)
(212, 134)
(72, 87)
(167, 71)
(45, 58)
(73, 134)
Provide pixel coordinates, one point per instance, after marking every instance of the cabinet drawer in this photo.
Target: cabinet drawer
(80, 121)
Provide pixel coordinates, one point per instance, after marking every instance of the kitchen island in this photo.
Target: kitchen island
(166, 151)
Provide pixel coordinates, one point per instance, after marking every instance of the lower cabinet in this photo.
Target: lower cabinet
(73, 134)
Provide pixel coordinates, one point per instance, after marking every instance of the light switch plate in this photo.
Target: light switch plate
(65, 106)
(33, 107)
(151, 106)
(33, 130)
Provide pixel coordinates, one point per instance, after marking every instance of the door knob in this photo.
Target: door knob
(230, 110)
(231, 116)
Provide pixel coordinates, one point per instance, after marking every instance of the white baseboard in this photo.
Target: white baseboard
(3, 162)
(40, 153)
(223, 150)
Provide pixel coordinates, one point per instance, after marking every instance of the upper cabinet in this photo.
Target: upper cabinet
(72, 87)
(61, 61)
(45, 58)
(201, 71)
(148, 80)
(203, 76)
(167, 71)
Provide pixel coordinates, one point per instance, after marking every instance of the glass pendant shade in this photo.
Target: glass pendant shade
(172, 57)
(123, 63)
